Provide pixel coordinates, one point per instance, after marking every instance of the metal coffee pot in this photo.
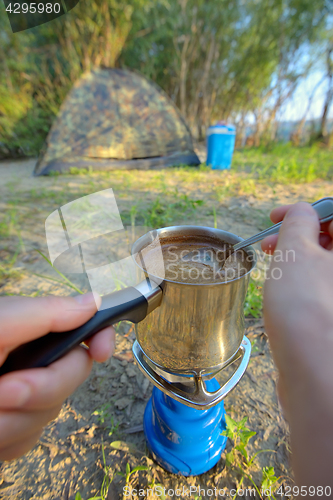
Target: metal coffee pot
(182, 328)
(197, 327)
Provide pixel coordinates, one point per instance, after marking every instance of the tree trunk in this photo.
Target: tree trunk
(257, 132)
(323, 134)
(323, 124)
(200, 105)
(182, 77)
(296, 137)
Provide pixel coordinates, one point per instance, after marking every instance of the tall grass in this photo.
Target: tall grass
(283, 163)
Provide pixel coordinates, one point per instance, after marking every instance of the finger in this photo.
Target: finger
(325, 227)
(300, 226)
(269, 243)
(42, 388)
(325, 240)
(330, 229)
(102, 345)
(278, 213)
(18, 449)
(24, 318)
(17, 426)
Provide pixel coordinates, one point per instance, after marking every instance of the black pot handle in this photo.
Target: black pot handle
(131, 304)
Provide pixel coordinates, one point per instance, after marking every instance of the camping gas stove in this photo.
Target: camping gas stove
(185, 417)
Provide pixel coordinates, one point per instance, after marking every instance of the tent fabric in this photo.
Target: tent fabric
(114, 119)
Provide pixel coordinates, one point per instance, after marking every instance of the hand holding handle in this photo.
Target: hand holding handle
(131, 304)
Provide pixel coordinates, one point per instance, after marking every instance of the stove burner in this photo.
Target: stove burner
(181, 439)
(190, 388)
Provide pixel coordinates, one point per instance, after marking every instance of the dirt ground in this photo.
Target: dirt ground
(68, 457)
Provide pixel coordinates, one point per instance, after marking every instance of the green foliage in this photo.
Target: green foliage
(269, 479)
(283, 163)
(215, 219)
(105, 417)
(38, 67)
(254, 347)
(7, 269)
(163, 211)
(7, 223)
(253, 300)
(239, 458)
(107, 480)
(128, 473)
(215, 59)
(64, 281)
(152, 485)
(240, 434)
(160, 213)
(79, 171)
(124, 446)
(10, 227)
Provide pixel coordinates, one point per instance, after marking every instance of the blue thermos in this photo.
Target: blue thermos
(220, 145)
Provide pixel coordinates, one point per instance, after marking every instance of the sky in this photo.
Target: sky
(296, 106)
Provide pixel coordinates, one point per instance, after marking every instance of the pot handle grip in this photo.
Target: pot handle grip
(127, 304)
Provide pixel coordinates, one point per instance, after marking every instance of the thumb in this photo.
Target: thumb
(300, 224)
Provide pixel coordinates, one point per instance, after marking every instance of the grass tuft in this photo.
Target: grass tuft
(284, 163)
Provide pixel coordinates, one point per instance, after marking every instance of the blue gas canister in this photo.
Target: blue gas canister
(220, 145)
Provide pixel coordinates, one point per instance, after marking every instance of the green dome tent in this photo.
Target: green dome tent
(116, 119)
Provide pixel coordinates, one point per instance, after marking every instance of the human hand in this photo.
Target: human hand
(277, 215)
(298, 317)
(29, 399)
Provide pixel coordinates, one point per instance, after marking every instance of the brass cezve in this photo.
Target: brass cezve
(197, 328)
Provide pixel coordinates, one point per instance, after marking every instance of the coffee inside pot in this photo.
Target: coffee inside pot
(193, 260)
